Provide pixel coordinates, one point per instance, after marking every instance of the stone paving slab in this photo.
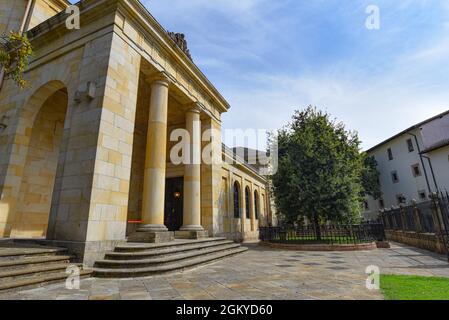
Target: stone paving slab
(260, 273)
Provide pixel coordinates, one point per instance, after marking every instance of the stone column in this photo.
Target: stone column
(153, 228)
(192, 228)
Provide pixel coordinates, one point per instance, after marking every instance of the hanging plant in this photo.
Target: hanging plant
(15, 52)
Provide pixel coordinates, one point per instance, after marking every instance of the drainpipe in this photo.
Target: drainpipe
(22, 30)
(433, 173)
(422, 161)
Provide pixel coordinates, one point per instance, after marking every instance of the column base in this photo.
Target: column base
(185, 234)
(143, 236)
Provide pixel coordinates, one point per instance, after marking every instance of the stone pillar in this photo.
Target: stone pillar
(438, 219)
(243, 210)
(416, 218)
(153, 203)
(192, 228)
(252, 208)
(403, 217)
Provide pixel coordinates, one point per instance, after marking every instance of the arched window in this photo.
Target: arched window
(236, 200)
(256, 205)
(248, 202)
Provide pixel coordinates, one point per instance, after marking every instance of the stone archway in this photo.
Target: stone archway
(42, 120)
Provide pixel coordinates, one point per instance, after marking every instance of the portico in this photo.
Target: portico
(89, 159)
(157, 157)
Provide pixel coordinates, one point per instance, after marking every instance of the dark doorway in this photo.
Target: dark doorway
(174, 203)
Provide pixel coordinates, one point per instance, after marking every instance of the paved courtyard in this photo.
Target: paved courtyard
(261, 273)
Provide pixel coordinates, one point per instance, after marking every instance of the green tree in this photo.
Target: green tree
(15, 52)
(370, 177)
(320, 170)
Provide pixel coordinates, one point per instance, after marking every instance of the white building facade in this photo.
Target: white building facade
(412, 165)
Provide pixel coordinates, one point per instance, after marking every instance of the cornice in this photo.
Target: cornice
(146, 21)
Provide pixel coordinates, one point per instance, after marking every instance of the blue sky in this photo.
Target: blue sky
(270, 57)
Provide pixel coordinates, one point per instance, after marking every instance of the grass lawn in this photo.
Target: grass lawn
(395, 287)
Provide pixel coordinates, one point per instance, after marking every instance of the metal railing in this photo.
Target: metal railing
(328, 234)
(428, 217)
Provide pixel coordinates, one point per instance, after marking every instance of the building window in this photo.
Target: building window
(390, 154)
(416, 170)
(381, 204)
(395, 177)
(256, 205)
(401, 199)
(422, 194)
(410, 146)
(236, 200)
(366, 205)
(248, 203)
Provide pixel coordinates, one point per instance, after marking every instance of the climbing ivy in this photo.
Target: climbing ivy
(15, 52)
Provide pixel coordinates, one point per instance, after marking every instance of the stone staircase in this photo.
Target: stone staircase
(24, 266)
(140, 260)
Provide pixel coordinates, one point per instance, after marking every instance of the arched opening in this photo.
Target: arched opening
(248, 203)
(256, 205)
(236, 200)
(44, 128)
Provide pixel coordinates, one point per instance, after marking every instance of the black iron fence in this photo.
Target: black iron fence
(328, 234)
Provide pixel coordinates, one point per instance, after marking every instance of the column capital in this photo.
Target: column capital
(194, 107)
(159, 77)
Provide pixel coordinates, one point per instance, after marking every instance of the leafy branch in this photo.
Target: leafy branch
(15, 52)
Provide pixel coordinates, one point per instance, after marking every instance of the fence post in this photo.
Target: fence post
(388, 219)
(436, 213)
(403, 217)
(442, 234)
(383, 219)
(416, 217)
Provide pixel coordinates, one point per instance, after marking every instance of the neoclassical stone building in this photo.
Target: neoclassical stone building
(85, 150)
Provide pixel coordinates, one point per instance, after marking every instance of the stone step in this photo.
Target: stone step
(134, 247)
(164, 259)
(166, 268)
(14, 252)
(28, 282)
(28, 261)
(35, 270)
(165, 251)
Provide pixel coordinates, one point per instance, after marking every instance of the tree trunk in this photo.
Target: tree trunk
(316, 224)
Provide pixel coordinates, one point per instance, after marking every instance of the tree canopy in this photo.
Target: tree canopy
(322, 173)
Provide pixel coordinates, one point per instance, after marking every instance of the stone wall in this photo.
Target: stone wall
(11, 15)
(40, 169)
(427, 241)
(45, 9)
(241, 228)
